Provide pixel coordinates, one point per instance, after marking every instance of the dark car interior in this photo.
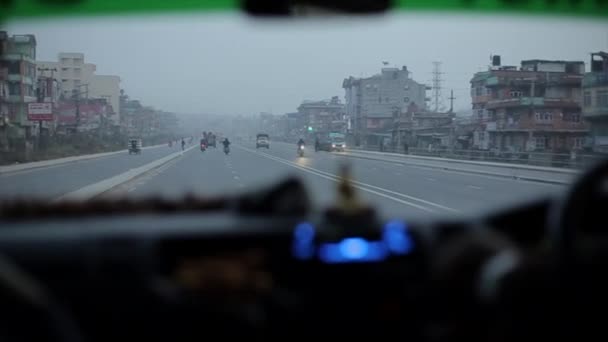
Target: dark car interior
(266, 264)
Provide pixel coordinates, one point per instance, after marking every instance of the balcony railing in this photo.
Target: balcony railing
(593, 112)
(595, 79)
(555, 125)
(531, 101)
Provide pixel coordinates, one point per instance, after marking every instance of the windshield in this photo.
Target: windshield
(440, 115)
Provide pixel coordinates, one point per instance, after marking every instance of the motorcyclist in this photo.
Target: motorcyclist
(226, 142)
(300, 142)
(183, 143)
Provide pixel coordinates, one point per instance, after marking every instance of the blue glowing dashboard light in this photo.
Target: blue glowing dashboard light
(303, 241)
(352, 250)
(395, 240)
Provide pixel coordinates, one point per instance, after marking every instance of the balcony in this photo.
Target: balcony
(595, 112)
(595, 79)
(16, 57)
(536, 126)
(532, 101)
(20, 78)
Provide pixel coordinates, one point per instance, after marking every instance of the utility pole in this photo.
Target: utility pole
(452, 98)
(437, 85)
(76, 95)
(45, 89)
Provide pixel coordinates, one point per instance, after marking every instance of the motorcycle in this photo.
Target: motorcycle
(226, 150)
(203, 147)
(301, 151)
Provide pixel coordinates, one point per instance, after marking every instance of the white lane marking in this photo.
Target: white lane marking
(141, 183)
(108, 184)
(474, 187)
(431, 179)
(398, 173)
(363, 186)
(236, 177)
(131, 190)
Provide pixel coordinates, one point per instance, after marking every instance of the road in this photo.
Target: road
(53, 181)
(397, 189)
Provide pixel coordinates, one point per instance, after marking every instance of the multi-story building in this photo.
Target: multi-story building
(595, 101)
(323, 116)
(18, 61)
(372, 103)
(3, 95)
(78, 78)
(107, 87)
(536, 107)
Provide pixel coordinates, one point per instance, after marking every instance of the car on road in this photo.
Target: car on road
(337, 144)
(262, 140)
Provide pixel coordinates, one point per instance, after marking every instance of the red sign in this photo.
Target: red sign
(40, 111)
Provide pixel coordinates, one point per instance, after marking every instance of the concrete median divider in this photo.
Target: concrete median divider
(470, 162)
(59, 161)
(98, 188)
(541, 174)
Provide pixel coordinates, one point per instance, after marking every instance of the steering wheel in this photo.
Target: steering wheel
(28, 312)
(580, 214)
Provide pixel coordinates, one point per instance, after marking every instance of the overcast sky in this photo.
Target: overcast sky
(228, 64)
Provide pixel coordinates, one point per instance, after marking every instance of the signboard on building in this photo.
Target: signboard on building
(40, 111)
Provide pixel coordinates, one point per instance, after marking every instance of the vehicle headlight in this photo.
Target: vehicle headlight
(333, 145)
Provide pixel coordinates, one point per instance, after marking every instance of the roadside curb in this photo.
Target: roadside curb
(471, 162)
(448, 168)
(53, 162)
(98, 188)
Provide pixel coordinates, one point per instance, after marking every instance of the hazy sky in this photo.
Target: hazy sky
(228, 64)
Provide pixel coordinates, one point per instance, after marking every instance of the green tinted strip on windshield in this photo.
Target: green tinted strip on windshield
(36, 8)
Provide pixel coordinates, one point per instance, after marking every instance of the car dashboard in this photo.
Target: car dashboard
(265, 265)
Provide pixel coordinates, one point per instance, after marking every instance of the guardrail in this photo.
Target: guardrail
(541, 174)
(556, 160)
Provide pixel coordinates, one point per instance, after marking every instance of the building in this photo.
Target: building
(595, 101)
(3, 95)
(107, 87)
(374, 102)
(535, 107)
(421, 128)
(323, 117)
(78, 78)
(18, 62)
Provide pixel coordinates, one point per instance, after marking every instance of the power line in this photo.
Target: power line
(437, 85)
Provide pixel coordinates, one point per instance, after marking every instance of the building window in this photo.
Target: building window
(587, 98)
(540, 143)
(579, 142)
(14, 67)
(406, 99)
(543, 116)
(14, 88)
(515, 93)
(379, 99)
(573, 117)
(478, 91)
(602, 98)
